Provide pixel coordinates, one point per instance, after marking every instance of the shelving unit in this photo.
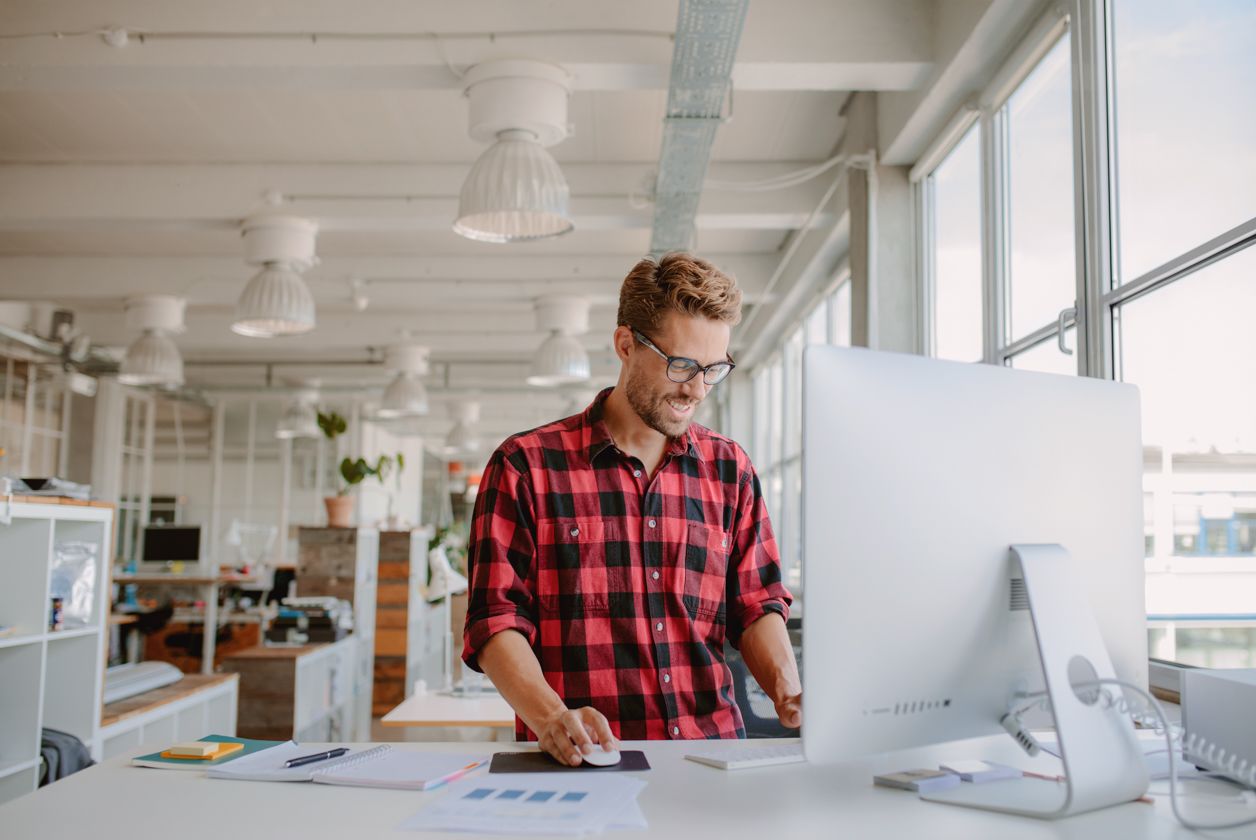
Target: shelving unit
(48, 678)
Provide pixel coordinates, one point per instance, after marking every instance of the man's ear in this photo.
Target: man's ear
(624, 342)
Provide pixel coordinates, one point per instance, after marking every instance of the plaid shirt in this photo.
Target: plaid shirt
(625, 586)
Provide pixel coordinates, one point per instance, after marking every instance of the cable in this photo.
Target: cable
(1162, 726)
(777, 182)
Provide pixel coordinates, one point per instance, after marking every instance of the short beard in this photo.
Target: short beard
(646, 404)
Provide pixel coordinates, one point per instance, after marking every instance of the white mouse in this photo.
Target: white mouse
(601, 758)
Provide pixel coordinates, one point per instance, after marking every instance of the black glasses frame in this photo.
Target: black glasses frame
(676, 365)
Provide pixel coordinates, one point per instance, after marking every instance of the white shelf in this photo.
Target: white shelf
(18, 641)
(48, 679)
(76, 633)
(11, 767)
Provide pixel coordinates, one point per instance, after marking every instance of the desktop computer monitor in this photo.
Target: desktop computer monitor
(172, 544)
(918, 475)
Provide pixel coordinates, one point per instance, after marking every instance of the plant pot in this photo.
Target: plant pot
(339, 511)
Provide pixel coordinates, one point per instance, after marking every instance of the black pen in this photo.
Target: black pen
(310, 759)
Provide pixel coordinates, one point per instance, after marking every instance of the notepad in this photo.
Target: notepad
(380, 766)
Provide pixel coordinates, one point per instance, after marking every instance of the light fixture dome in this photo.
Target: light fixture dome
(299, 419)
(153, 359)
(276, 302)
(515, 192)
(560, 360)
(462, 439)
(405, 396)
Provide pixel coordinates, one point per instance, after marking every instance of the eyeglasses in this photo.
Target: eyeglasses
(682, 369)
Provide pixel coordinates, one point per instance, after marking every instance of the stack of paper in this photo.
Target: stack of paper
(535, 803)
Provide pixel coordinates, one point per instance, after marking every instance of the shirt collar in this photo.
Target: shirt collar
(597, 437)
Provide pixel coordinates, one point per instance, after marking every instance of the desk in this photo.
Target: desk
(431, 709)
(209, 594)
(682, 800)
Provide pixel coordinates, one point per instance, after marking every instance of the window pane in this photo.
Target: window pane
(1184, 125)
(1045, 356)
(793, 385)
(1191, 350)
(839, 316)
(1040, 212)
(956, 220)
(816, 328)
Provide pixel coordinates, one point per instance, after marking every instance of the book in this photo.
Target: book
(202, 752)
(921, 781)
(248, 746)
(380, 766)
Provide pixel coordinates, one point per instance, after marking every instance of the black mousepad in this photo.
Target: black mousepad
(541, 762)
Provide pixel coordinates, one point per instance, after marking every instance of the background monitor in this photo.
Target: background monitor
(172, 543)
(918, 475)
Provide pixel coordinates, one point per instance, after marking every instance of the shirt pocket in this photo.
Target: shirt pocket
(581, 566)
(705, 568)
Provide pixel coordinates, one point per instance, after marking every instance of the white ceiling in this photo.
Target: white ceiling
(127, 170)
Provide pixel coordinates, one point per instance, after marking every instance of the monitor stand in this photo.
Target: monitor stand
(1103, 763)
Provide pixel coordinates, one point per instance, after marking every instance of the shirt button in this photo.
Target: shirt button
(659, 627)
(724, 542)
(654, 575)
(667, 678)
(636, 473)
(675, 730)
(575, 532)
(651, 523)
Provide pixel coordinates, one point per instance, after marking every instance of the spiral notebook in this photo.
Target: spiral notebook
(381, 766)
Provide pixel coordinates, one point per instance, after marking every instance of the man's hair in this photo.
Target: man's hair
(679, 282)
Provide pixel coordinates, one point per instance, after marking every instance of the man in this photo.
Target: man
(613, 552)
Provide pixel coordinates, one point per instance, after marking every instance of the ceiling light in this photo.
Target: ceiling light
(515, 191)
(277, 301)
(462, 438)
(405, 396)
(153, 359)
(300, 418)
(561, 359)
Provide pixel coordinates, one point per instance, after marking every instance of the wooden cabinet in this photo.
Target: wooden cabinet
(49, 678)
(403, 639)
(305, 692)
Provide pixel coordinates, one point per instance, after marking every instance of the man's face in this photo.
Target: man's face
(663, 405)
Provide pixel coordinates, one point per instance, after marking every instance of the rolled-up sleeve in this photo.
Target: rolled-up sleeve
(500, 555)
(755, 587)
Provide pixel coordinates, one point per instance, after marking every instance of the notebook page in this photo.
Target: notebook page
(400, 769)
(268, 765)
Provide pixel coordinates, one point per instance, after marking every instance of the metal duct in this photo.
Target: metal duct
(707, 35)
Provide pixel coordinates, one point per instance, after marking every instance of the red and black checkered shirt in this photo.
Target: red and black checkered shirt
(625, 586)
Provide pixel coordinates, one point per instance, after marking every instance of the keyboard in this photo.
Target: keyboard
(742, 757)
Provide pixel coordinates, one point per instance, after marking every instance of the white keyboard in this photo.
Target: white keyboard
(741, 757)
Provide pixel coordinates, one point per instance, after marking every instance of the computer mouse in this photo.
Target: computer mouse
(601, 758)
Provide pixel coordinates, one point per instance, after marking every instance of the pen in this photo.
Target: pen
(310, 759)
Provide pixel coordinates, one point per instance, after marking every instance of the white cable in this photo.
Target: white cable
(777, 182)
(1163, 726)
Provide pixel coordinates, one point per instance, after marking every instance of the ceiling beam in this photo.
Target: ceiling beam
(392, 45)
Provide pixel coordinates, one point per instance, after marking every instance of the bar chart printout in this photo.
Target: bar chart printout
(534, 803)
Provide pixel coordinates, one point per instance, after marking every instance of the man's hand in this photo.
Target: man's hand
(573, 732)
(789, 711)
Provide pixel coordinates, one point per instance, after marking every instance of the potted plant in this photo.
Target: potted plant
(340, 506)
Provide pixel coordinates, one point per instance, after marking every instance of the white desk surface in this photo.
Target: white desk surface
(432, 709)
(682, 800)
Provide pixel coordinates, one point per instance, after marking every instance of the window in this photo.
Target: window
(34, 419)
(1039, 152)
(1181, 307)
(953, 215)
(1184, 75)
(777, 434)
